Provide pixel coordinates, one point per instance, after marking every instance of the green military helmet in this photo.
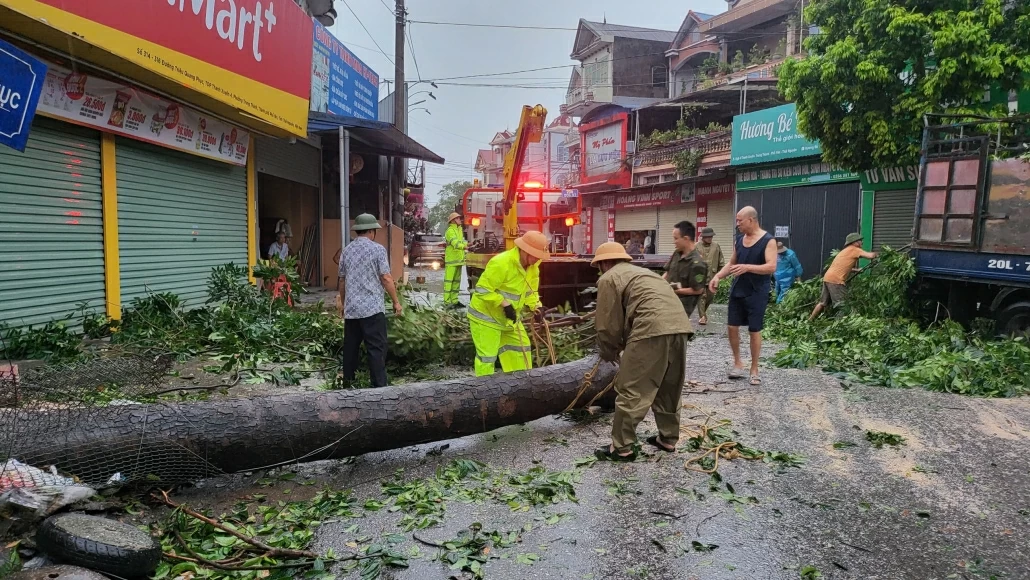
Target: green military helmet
(365, 222)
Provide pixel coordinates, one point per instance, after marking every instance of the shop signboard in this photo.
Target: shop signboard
(804, 173)
(769, 135)
(604, 149)
(341, 84)
(611, 225)
(888, 178)
(117, 108)
(21, 77)
(715, 190)
(243, 53)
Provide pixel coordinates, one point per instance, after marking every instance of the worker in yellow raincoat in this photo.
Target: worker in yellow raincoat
(454, 259)
(506, 290)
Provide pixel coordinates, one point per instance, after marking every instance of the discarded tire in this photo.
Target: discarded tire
(99, 544)
(57, 573)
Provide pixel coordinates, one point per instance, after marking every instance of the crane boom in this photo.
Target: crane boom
(530, 130)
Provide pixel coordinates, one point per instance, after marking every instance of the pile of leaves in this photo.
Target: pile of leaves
(874, 338)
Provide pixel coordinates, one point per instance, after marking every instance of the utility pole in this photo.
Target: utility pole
(400, 114)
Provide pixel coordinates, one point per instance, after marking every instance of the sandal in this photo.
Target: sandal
(736, 373)
(755, 381)
(653, 440)
(606, 454)
(703, 320)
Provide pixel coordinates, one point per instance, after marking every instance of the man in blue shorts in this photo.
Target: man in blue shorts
(752, 264)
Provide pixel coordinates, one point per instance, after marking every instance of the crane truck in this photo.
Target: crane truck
(495, 216)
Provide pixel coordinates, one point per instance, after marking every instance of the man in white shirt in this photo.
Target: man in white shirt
(279, 249)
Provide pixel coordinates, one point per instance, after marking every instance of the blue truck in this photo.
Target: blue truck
(972, 220)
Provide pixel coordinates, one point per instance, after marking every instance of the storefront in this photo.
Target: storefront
(888, 206)
(807, 204)
(138, 174)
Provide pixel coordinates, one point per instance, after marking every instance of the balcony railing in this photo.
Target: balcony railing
(758, 71)
(579, 95)
(663, 155)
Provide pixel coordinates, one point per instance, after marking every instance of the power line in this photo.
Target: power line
(612, 27)
(369, 33)
(388, 9)
(414, 59)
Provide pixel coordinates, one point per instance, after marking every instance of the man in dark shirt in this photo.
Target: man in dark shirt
(686, 271)
(752, 264)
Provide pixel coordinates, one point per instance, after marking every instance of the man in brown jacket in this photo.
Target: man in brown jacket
(711, 254)
(639, 316)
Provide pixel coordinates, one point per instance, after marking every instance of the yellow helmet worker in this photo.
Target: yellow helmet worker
(508, 288)
(454, 259)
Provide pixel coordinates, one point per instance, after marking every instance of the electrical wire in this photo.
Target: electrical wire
(345, 3)
(610, 27)
(388, 9)
(411, 46)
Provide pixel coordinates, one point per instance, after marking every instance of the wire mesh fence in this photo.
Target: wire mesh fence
(47, 412)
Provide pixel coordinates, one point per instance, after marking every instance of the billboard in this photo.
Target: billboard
(769, 135)
(21, 77)
(341, 84)
(242, 53)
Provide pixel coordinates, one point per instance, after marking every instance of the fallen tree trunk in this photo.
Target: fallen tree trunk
(182, 442)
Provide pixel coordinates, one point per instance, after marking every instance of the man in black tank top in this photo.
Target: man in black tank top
(752, 263)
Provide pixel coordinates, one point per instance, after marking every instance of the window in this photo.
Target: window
(652, 179)
(659, 77)
(596, 73)
(948, 202)
(563, 154)
(668, 177)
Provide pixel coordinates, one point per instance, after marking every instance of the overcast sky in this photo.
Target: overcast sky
(463, 119)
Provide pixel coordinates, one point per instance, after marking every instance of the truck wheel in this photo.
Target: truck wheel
(99, 544)
(1014, 319)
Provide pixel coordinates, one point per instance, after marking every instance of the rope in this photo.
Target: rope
(588, 381)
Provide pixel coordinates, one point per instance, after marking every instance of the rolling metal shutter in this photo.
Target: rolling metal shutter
(721, 218)
(600, 227)
(645, 218)
(668, 217)
(298, 162)
(51, 216)
(893, 216)
(178, 217)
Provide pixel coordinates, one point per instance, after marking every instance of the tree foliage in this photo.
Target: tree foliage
(450, 196)
(877, 66)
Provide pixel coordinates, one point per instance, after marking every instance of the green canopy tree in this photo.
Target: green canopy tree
(875, 67)
(450, 196)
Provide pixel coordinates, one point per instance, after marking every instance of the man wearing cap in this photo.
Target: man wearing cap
(639, 316)
(834, 289)
(364, 274)
(788, 268)
(506, 290)
(711, 253)
(454, 259)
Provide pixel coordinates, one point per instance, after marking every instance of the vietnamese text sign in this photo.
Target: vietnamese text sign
(769, 135)
(792, 174)
(243, 53)
(340, 83)
(715, 190)
(603, 150)
(21, 77)
(116, 108)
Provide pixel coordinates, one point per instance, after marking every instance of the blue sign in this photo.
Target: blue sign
(21, 80)
(340, 83)
(570, 193)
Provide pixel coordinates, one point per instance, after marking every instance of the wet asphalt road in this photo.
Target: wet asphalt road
(952, 502)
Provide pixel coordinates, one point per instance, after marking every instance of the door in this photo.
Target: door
(668, 217)
(599, 227)
(808, 207)
(179, 216)
(52, 220)
(722, 219)
(893, 215)
(627, 220)
(776, 209)
(843, 209)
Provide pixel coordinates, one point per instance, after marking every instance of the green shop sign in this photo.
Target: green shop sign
(769, 135)
(802, 173)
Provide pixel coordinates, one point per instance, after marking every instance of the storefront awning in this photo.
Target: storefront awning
(378, 137)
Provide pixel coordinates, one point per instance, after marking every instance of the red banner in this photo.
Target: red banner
(268, 41)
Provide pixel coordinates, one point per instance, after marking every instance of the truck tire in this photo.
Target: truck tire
(1014, 319)
(99, 544)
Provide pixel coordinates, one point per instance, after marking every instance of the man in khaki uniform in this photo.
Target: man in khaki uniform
(711, 253)
(639, 315)
(686, 271)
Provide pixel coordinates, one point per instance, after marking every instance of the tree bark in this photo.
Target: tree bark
(182, 442)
